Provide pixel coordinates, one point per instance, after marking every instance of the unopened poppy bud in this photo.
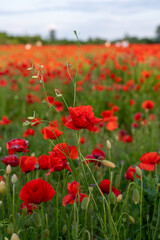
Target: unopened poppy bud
(131, 219)
(10, 229)
(46, 234)
(15, 237)
(14, 179)
(2, 187)
(0, 203)
(108, 143)
(136, 196)
(64, 229)
(108, 164)
(37, 220)
(8, 169)
(85, 203)
(119, 198)
(138, 171)
(112, 198)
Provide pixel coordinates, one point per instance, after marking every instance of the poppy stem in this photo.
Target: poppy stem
(14, 218)
(42, 219)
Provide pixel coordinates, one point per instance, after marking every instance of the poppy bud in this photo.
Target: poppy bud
(136, 196)
(46, 234)
(85, 203)
(64, 229)
(15, 237)
(90, 189)
(14, 179)
(108, 163)
(37, 220)
(6, 238)
(138, 171)
(119, 198)
(10, 229)
(112, 198)
(0, 203)
(8, 169)
(108, 143)
(2, 187)
(58, 93)
(131, 219)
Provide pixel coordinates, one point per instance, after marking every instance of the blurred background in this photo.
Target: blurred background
(96, 21)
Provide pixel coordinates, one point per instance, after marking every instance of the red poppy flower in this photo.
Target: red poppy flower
(129, 173)
(29, 132)
(127, 138)
(82, 117)
(50, 100)
(43, 161)
(51, 133)
(111, 125)
(37, 191)
(148, 104)
(17, 145)
(59, 106)
(138, 116)
(12, 160)
(59, 155)
(74, 190)
(28, 163)
(105, 188)
(149, 161)
(97, 154)
(35, 121)
(5, 121)
(29, 206)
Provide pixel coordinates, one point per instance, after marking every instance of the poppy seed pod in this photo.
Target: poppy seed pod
(15, 237)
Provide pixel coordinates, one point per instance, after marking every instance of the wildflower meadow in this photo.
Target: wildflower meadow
(80, 142)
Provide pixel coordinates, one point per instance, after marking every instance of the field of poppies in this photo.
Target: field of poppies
(80, 142)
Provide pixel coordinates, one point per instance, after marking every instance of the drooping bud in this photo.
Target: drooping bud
(14, 179)
(108, 143)
(58, 93)
(8, 169)
(15, 237)
(119, 198)
(138, 171)
(2, 187)
(108, 164)
(131, 219)
(136, 196)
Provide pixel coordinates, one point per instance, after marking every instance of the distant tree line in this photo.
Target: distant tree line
(51, 39)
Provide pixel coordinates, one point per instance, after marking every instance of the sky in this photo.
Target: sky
(107, 19)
